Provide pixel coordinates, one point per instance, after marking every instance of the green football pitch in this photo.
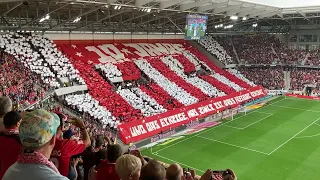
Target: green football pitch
(280, 140)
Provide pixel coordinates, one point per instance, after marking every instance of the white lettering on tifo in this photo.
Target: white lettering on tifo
(256, 93)
(151, 50)
(137, 130)
(167, 121)
(229, 102)
(218, 105)
(192, 113)
(206, 109)
(111, 53)
(103, 58)
(115, 54)
(139, 50)
(153, 125)
(242, 98)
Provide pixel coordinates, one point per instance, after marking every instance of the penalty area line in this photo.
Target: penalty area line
(314, 122)
(209, 129)
(253, 150)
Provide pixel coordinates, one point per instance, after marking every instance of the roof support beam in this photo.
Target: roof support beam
(213, 6)
(38, 18)
(305, 16)
(236, 11)
(170, 3)
(265, 12)
(250, 12)
(182, 17)
(156, 18)
(198, 3)
(269, 14)
(220, 10)
(8, 1)
(72, 18)
(142, 15)
(107, 17)
(11, 9)
(142, 2)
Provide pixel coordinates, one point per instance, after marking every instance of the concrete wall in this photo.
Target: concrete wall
(284, 38)
(96, 38)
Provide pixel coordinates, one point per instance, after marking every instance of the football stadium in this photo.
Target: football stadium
(159, 90)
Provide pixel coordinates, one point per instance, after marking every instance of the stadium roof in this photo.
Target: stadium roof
(286, 3)
(144, 15)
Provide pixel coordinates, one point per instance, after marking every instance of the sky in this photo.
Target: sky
(287, 3)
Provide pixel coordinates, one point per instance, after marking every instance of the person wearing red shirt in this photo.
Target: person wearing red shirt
(65, 148)
(106, 168)
(10, 145)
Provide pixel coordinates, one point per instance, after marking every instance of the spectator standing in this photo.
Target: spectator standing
(64, 149)
(5, 106)
(10, 145)
(88, 159)
(128, 167)
(73, 172)
(106, 168)
(174, 172)
(153, 170)
(37, 133)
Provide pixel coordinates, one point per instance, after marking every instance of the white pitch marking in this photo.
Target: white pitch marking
(249, 124)
(293, 136)
(310, 135)
(308, 110)
(233, 145)
(233, 127)
(213, 127)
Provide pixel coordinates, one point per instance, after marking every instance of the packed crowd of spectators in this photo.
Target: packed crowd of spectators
(39, 144)
(313, 58)
(240, 76)
(226, 44)
(268, 77)
(174, 83)
(178, 66)
(56, 60)
(18, 46)
(301, 77)
(257, 49)
(140, 100)
(18, 82)
(213, 47)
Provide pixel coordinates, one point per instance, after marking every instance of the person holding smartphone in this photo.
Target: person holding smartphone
(64, 149)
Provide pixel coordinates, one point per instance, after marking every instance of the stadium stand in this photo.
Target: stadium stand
(257, 49)
(268, 77)
(86, 84)
(301, 77)
(18, 82)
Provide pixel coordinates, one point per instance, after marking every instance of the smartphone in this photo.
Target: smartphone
(219, 174)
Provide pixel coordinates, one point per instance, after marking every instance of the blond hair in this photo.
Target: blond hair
(127, 165)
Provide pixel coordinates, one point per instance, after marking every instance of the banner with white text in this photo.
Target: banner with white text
(137, 130)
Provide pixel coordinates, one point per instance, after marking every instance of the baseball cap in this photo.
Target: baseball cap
(38, 127)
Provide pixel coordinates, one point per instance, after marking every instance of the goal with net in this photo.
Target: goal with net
(242, 110)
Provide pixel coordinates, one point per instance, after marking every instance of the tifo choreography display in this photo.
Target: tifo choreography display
(87, 109)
